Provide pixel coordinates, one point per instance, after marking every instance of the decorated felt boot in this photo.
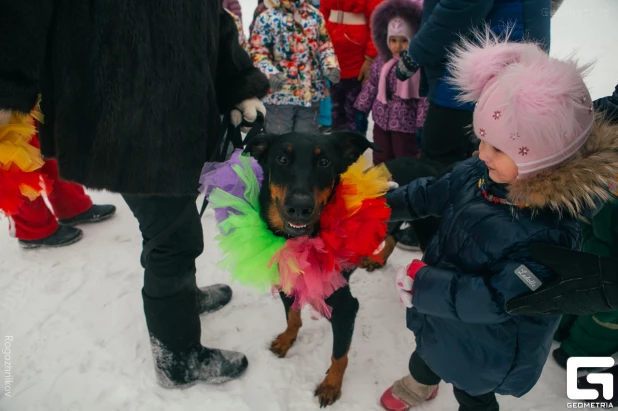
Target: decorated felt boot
(180, 360)
(213, 298)
(407, 393)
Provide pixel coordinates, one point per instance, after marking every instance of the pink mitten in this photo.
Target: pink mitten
(404, 281)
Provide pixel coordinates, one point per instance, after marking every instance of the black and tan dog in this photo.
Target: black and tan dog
(301, 172)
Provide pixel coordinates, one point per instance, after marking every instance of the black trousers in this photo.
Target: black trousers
(421, 372)
(447, 140)
(172, 240)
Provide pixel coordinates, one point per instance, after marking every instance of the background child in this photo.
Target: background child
(543, 160)
(398, 111)
(348, 23)
(290, 44)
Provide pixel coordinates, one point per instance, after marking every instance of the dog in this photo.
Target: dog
(301, 172)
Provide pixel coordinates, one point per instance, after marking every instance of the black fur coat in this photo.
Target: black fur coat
(132, 90)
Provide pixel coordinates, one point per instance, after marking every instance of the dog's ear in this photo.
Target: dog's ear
(258, 147)
(353, 145)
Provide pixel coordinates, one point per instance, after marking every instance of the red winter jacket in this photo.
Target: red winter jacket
(352, 42)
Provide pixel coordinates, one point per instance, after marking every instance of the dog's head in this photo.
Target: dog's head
(301, 172)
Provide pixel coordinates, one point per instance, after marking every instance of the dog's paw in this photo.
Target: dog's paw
(282, 344)
(370, 264)
(382, 254)
(327, 393)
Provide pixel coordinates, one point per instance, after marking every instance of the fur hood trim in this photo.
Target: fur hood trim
(408, 10)
(579, 183)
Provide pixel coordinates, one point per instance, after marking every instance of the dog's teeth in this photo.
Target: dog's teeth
(297, 226)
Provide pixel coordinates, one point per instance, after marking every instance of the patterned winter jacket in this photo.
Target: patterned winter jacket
(404, 116)
(291, 38)
(242, 40)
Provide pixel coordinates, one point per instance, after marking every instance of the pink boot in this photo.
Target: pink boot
(407, 393)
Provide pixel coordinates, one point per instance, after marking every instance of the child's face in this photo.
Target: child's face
(502, 168)
(397, 44)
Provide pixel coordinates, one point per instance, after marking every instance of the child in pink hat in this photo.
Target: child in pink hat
(398, 111)
(544, 159)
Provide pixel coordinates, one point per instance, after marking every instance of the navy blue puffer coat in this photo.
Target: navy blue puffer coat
(462, 330)
(444, 21)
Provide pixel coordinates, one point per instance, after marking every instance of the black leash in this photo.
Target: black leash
(230, 134)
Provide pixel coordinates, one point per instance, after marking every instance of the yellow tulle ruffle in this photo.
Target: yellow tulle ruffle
(20, 162)
(362, 183)
(15, 147)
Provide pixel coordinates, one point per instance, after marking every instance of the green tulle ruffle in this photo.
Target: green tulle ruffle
(245, 240)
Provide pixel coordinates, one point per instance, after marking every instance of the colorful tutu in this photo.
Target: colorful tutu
(309, 269)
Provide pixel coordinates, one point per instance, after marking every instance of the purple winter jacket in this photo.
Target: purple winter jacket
(404, 116)
(234, 7)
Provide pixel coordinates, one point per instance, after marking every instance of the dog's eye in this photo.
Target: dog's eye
(324, 162)
(282, 160)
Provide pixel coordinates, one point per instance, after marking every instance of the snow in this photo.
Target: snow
(79, 335)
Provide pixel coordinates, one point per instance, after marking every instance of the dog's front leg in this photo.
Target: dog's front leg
(286, 339)
(345, 307)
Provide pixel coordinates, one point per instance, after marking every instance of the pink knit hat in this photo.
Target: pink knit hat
(399, 27)
(534, 108)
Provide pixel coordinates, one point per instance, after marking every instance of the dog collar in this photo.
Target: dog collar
(309, 269)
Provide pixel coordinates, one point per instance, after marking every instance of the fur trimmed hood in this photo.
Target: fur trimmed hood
(579, 183)
(408, 10)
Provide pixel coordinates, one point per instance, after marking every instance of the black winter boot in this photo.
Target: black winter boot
(406, 239)
(63, 236)
(94, 214)
(213, 298)
(561, 357)
(180, 359)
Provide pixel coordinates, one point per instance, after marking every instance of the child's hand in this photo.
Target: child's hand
(406, 66)
(277, 81)
(333, 75)
(404, 281)
(365, 70)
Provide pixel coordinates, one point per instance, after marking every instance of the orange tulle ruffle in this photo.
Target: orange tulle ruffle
(20, 162)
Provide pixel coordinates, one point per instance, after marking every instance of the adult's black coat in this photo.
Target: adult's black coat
(132, 90)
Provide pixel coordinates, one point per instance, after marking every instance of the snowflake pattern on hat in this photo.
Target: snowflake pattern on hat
(497, 115)
(524, 151)
(482, 132)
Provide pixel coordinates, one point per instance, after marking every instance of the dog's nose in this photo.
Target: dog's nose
(299, 206)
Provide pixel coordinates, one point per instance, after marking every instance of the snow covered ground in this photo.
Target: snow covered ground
(79, 339)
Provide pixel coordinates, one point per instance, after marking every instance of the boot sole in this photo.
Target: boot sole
(90, 221)
(30, 246)
(168, 385)
(408, 247)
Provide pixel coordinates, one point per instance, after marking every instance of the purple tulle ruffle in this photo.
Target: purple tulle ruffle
(221, 175)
